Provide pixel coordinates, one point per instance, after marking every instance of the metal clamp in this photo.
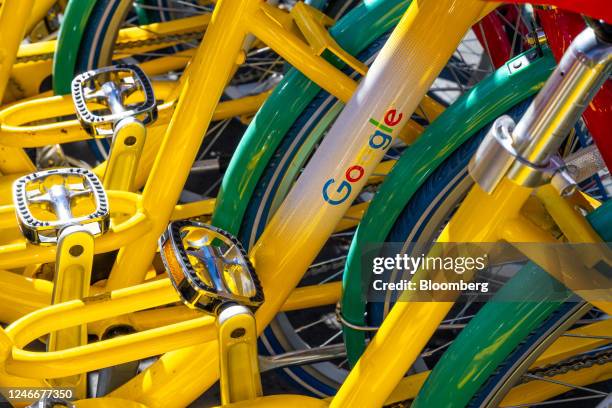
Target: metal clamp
(108, 89)
(208, 267)
(498, 153)
(44, 203)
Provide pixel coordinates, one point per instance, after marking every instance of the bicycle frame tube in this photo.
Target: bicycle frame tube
(13, 18)
(305, 219)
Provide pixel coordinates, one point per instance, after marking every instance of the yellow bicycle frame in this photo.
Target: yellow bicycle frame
(170, 381)
(231, 21)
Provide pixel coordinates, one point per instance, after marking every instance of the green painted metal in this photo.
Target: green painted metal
(354, 32)
(485, 342)
(142, 13)
(68, 43)
(485, 102)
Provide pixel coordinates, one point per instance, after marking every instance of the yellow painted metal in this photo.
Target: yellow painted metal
(571, 222)
(15, 130)
(564, 267)
(13, 18)
(537, 391)
(194, 209)
(97, 307)
(313, 25)
(313, 296)
(75, 251)
(280, 401)
(410, 132)
(113, 351)
(26, 80)
(110, 352)
(106, 402)
(407, 388)
(38, 12)
(481, 216)
(429, 108)
(198, 329)
(381, 170)
(20, 295)
(408, 327)
(25, 295)
(152, 33)
(36, 49)
(15, 160)
(239, 378)
(562, 348)
(126, 149)
(298, 53)
(172, 62)
(14, 133)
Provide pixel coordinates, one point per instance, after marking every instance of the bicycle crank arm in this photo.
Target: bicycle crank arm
(211, 272)
(46, 203)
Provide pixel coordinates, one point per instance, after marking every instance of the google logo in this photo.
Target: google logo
(380, 139)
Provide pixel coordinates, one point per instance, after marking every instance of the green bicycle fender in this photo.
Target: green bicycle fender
(68, 43)
(485, 343)
(290, 97)
(486, 101)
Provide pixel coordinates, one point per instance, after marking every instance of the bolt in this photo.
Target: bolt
(238, 333)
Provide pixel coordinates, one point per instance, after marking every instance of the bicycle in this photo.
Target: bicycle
(178, 109)
(173, 297)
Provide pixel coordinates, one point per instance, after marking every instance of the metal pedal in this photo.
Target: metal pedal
(101, 95)
(45, 203)
(211, 271)
(208, 267)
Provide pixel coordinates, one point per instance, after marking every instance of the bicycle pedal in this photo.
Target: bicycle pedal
(208, 267)
(46, 202)
(100, 97)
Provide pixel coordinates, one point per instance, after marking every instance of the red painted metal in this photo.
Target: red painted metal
(493, 38)
(601, 9)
